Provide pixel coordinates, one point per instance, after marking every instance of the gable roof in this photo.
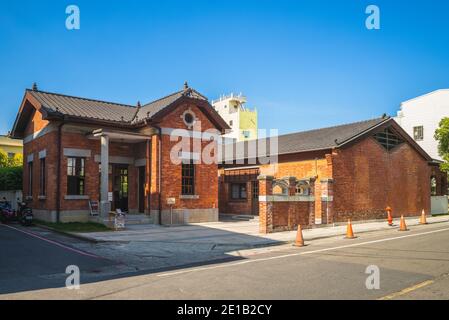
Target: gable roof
(60, 106)
(83, 108)
(319, 139)
(152, 108)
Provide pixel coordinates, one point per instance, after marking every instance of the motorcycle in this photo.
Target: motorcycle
(7, 214)
(24, 213)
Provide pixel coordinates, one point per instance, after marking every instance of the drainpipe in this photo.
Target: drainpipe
(58, 175)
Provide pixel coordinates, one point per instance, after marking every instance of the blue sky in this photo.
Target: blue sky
(303, 64)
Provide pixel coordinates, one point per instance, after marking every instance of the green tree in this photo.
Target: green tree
(442, 136)
(7, 162)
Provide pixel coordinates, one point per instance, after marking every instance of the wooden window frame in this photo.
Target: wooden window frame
(76, 171)
(42, 177)
(242, 187)
(188, 172)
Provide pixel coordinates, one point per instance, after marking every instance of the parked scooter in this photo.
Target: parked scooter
(24, 213)
(7, 214)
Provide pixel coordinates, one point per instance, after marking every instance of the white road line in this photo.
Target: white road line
(299, 253)
(54, 242)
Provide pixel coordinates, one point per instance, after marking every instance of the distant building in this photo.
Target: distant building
(243, 121)
(420, 117)
(10, 146)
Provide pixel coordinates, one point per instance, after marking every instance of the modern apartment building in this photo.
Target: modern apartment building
(420, 117)
(242, 120)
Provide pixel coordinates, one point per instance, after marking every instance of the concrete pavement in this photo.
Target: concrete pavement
(331, 268)
(237, 233)
(30, 262)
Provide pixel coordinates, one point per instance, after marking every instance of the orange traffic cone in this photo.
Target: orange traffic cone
(390, 217)
(403, 226)
(299, 238)
(423, 219)
(350, 232)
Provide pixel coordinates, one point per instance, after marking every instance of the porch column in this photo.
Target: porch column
(105, 205)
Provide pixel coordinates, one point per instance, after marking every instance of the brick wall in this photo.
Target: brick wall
(367, 179)
(284, 212)
(206, 179)
(206, 175)
(309, 164)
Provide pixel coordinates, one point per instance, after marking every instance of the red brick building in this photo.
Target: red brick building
(78, 152)
(349, 171)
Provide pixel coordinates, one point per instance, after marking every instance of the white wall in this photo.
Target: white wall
(427, 111)
(439, 204)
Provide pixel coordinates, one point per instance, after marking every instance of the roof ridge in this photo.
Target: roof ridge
(81, 98)
(335, 126)
(167, 96)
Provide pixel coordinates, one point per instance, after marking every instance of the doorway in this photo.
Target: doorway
(120, 187)
(255, 198)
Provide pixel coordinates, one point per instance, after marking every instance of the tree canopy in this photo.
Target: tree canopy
(442, 136)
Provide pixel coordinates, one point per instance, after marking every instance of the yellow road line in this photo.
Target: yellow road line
(407, 290)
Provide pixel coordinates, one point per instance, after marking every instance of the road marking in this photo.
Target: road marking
(299, 253)
(407, 290)
(54, 242)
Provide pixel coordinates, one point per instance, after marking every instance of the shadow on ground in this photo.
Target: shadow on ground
(34, 258)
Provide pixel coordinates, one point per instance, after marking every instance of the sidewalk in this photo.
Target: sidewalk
(235, 234)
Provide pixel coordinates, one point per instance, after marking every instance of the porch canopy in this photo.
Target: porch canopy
(105, 136)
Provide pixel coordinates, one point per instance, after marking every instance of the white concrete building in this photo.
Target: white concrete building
(242, 120)
(421, 116)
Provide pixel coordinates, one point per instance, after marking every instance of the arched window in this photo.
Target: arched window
(433, 186)
(280, 188)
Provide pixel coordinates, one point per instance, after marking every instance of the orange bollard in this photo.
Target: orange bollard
(403, 226)
(390, 217)
(349, 231)
(423, 219)
(299, 238)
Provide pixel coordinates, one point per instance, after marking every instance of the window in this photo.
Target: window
(231, 123)
(418, 133)
(188, 118)
(188, 178)
(75, 176)
(433, 186)
(238, 191)
(42, 178)
(246, 134)
(302, 190)
(388, 139)
(11, 155)
(30, 178)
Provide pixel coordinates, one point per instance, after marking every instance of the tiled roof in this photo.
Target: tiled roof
(152, 108)
(84, 108)
(313, 140)
(108, 111)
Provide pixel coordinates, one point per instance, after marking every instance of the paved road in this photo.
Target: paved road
(412, 264)
(30, 262)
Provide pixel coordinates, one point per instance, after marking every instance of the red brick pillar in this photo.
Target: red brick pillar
(265, 204)
(327, 200)
(312, 202)
(292, 217)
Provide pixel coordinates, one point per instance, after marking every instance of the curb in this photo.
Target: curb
(69, 234)
(358, 232)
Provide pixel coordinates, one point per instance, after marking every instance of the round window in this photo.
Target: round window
(188, 118)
